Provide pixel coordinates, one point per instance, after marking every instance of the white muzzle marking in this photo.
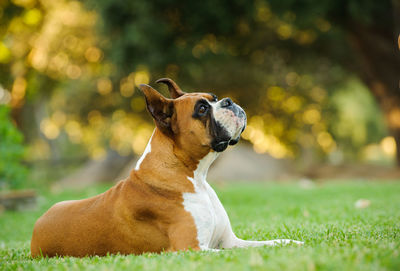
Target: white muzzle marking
(228, 120)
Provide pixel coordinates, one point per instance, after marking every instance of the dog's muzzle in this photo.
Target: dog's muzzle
(231, 120)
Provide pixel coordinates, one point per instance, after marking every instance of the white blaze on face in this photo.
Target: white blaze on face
(225, 117)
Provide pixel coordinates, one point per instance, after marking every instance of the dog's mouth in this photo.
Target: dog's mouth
(226, 138)
(221, 144)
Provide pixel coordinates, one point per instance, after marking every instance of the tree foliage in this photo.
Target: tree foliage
(285, 59)
(71, 69)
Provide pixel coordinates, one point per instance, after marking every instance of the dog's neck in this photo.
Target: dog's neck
(200, 174)
(161, 157)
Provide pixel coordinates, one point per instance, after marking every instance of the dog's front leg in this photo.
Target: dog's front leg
(228, 239)
(232, 241)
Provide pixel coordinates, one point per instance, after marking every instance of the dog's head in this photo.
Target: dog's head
(197, 122)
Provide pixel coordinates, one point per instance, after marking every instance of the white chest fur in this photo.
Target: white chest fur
(208, 213)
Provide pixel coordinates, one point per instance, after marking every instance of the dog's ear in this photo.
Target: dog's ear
(159, 107)
(173, 88)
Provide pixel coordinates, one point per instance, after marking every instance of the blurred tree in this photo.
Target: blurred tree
(49, 57)
(252, 48)
(286, 61)
(370, 28)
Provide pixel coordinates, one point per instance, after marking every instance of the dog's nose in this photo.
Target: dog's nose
(227, 102)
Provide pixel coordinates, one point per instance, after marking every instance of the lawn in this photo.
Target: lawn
(337, 235)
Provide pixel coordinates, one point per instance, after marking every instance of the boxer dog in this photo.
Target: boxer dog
(166, 203)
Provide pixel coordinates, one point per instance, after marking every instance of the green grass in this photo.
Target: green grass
(337, 235)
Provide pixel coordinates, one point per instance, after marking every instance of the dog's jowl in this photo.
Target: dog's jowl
(166, 203)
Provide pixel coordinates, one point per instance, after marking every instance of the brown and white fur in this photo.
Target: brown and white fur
(166, 203)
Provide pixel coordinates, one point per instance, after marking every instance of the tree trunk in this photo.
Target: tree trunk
(379, 68)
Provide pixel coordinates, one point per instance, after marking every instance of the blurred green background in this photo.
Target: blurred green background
(319, 80)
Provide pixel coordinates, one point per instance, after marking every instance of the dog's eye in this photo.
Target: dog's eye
(202, 109)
